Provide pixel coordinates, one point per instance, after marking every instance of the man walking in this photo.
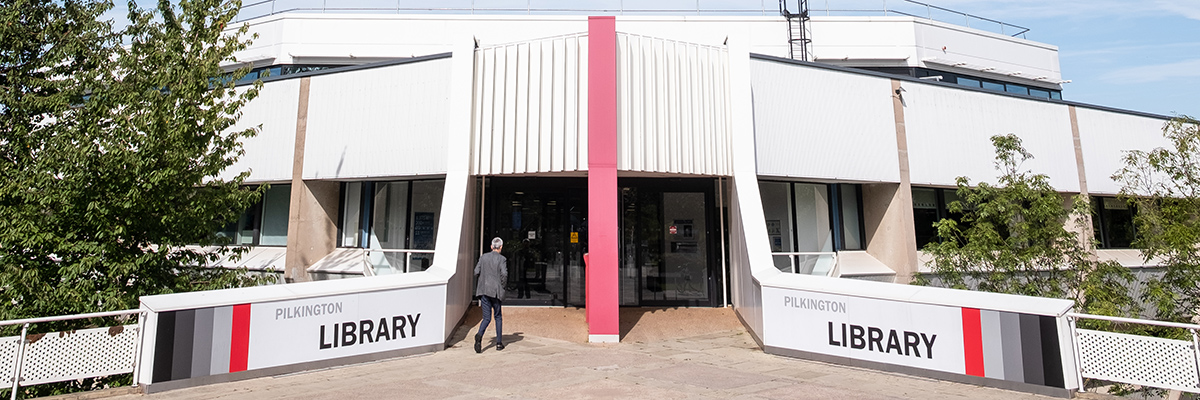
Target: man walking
(493, 273)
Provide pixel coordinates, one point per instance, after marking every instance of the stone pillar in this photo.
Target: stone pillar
(1080, 224)
(313, 208)
(312, 226)
(890, 232)
(888, 209)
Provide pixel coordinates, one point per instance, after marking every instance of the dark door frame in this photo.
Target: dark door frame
(712, 234)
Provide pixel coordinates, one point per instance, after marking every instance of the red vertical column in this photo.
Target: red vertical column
(602, 301)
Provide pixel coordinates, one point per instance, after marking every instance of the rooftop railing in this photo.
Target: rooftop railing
(254, 9)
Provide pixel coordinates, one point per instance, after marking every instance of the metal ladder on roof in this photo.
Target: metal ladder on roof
(799, 31)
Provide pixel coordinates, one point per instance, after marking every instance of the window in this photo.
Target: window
(1113, 223)
(965, 81)
(1039, 93)
(931, 205)
(1018, 89)
(385, 216)
(993, 86)
(265, 223)
(807, 217)
(1056, 95)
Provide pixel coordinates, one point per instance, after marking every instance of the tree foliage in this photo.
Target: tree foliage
(1013, 238)
(112, 145)
(1164, 185)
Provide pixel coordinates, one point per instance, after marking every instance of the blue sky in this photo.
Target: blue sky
(1142, 55)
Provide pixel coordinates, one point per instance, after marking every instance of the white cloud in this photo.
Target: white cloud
(1186, 8)
(1155, 72)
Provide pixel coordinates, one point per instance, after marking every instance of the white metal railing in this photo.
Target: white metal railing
(1136, 359)
(372, 268)
(70, 355)
(821, 263)
(908, 8)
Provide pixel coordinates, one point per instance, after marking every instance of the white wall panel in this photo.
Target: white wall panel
(949, 135)
(672, 107)
(816, 123)
(1105, 137)
(379, 122)
(531, 107)
(269, 154)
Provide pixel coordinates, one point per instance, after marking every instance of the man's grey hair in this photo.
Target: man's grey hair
(497, 243)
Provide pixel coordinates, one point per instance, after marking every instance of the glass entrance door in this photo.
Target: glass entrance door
(666, 254)
(543, 224)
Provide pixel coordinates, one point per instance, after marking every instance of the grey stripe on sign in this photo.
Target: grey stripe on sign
(993, 345)
(1031, 349)
(1010, 337)
(222, 331)
(202, 342)
(185, 329)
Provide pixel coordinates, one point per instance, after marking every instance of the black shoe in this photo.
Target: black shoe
(478, 343)
(499, 346)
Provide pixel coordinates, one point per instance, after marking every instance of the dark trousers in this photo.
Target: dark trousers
(491, 306)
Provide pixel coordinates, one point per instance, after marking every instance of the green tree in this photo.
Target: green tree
(1164, 185)
(112, 145)
(1013, 238)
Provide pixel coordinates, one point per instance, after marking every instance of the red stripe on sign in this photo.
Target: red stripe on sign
(239, 342)
(972, 341)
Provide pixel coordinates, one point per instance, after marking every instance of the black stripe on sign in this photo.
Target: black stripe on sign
(1051, 353)
(185, 330)
(164, 345)
(1031, 349)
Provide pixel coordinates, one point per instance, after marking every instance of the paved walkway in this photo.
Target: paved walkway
(664, 354)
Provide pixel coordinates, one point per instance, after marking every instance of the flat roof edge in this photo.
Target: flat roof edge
(829, 67)
(352, 68)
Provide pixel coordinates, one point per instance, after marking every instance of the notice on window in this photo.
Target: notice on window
(574, 237)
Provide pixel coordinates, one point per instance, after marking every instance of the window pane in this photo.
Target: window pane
(1056, 95)
(352, 215)
(993, 85)
(925, 213)
(813, 231)
(1018, 89)
(965, 81)
(1039, 93)
(275, 215)
(1118, 221)
(389, 222)
(851, 235)
(777, 209)
(426, 208)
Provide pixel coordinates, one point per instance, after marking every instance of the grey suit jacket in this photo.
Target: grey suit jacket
(492, 269)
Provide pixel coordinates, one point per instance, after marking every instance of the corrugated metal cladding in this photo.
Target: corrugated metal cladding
(949, 135)
(530, 111)
(386, 121)
(815, 123)
(269, 154)
(1105, 136)
(673, 111)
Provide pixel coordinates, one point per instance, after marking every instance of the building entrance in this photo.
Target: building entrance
(668, 243)
(543, 222)
(669, 249)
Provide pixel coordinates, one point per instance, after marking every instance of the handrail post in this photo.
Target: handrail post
(20, 359)
(1078, 353)
(137, 353)
(1196, 351)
